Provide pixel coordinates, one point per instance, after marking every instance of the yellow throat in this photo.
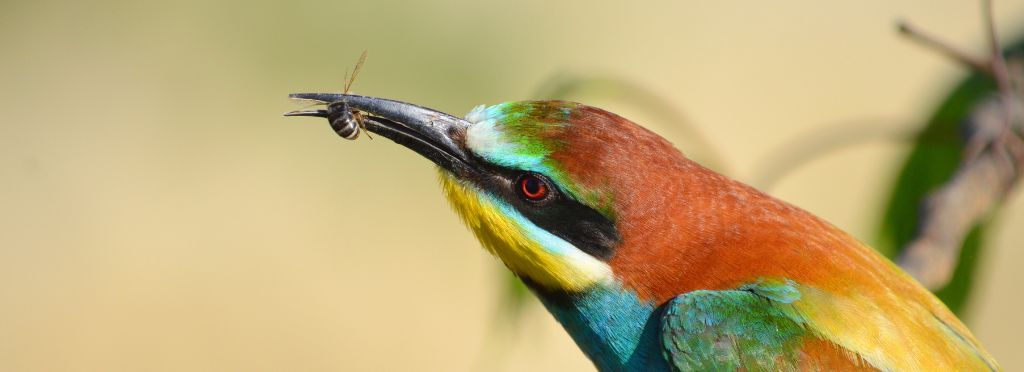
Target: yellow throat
(526, 249)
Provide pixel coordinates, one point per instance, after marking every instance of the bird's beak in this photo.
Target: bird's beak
(431, 133)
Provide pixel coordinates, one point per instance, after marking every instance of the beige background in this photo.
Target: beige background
(160, 214)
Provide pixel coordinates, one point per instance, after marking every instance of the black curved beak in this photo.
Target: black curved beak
(431, 133)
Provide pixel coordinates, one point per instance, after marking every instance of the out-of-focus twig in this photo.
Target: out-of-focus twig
(991, 167)
(996, 61)
(950, 51)
(792, 155)
(978, 186)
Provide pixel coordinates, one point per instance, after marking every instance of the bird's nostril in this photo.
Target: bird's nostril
(458, 135)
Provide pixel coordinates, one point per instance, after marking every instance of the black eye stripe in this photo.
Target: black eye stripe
(555, 212)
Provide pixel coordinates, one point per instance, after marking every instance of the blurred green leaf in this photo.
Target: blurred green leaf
(513, 299)
(508, 316)
(934, 157)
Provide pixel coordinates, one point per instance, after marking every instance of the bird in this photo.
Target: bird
(652, 262)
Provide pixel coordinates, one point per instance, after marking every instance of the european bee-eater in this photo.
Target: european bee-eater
(652, 262)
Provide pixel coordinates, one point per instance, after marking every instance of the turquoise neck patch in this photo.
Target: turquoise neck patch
(616, 330)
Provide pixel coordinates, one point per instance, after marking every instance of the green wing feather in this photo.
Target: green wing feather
(754, 327)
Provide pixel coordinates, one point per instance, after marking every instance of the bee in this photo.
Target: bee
(345, 121)
(348, 123)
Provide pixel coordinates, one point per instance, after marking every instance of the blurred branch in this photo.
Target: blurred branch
(996, 61)
(950, 51)
(992, 164)
(796, 153)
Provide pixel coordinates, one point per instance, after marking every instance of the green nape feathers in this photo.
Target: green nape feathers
(527, 136)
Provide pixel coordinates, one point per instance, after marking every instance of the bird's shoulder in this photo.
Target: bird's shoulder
(780, 324)
(753, 327)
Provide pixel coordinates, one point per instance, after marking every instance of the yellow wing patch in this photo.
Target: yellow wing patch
(891, 333)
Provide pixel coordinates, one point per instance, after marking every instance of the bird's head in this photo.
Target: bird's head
(555, 189)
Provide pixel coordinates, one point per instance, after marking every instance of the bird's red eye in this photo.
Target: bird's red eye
(533, 187)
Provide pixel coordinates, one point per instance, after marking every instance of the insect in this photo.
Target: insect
(348, 123)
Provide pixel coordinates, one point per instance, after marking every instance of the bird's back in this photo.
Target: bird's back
(857, 308)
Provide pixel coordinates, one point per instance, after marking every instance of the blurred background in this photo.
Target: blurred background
(159, 214)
